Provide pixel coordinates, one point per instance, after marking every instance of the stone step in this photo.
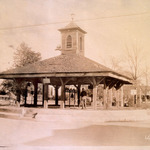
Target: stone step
(17, 116)
(17, 113)
(10, 110)
(8, 115)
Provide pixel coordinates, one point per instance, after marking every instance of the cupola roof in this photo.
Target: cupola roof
(72, 25)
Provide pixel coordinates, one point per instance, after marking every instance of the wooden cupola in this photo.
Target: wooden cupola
(72, 39)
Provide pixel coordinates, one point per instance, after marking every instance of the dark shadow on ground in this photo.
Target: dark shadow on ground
(97, 135)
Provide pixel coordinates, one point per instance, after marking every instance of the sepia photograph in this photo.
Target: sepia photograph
(74, 74)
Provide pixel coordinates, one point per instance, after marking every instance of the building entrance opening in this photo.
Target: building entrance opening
(71, 96)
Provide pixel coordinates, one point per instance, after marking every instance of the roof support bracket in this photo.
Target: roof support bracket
(118, 85)
(112, 84)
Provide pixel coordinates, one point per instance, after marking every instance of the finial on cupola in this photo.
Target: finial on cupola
(72, 16)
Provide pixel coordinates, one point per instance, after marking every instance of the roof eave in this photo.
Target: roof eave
(64, 29)
(64, 74)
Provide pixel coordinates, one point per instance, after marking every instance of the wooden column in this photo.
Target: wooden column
(94, 96)
(56, 95)
(18, 97)
(18, 91)
(26, 92)
(35, 92)
(105, 96)
(63, 93)
(121, 96)
(117, 98)
(94, 93)
(45, 95)
(78, 92)
(110, 98)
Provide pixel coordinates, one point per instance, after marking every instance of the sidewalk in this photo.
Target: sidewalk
(86, 115)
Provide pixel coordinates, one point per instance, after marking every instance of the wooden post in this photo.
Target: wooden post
(117, 98)
(56, 95)
(63, 95)
(94, 96)
(35, 92)
(62, 92)
(110, 98)
(18, 97)
(105, 96)
(26, 93)
(78, 88)
(69, 97)
(45, 95)
(121, 96)
(94, 93)
(18, 84)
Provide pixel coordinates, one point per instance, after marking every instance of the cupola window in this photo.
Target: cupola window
(69, 41)
(80, 43)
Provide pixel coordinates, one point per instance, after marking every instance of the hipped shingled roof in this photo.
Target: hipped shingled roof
(72, 25)
(63, 65)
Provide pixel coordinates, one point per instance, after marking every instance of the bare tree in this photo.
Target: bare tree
(134, 59)
(134, 56)
(146, 76)
(115, 63)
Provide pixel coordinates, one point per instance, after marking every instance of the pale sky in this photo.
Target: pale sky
(105, 36)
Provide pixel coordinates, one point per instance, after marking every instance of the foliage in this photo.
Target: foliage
(8, 85)
(24, 56)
